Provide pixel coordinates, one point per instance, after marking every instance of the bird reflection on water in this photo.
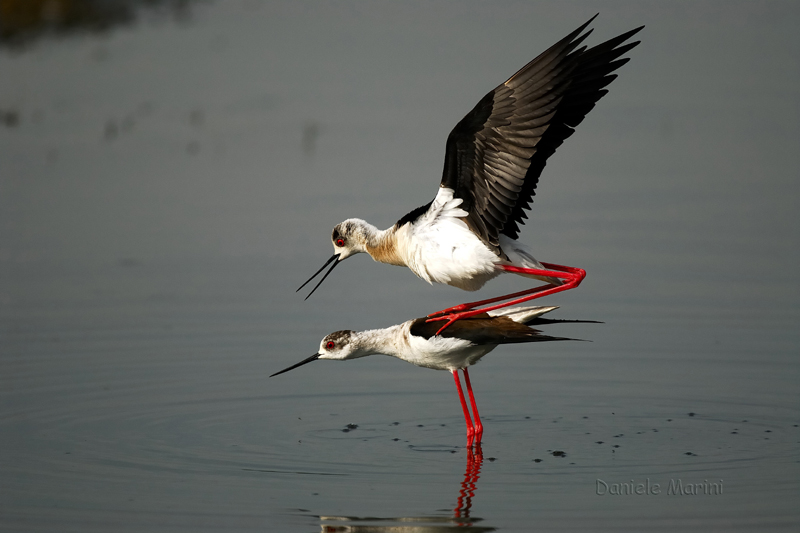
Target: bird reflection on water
(461, 519)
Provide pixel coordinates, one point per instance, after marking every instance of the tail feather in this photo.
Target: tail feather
(532, 316)
(521, 256)
(522, 314)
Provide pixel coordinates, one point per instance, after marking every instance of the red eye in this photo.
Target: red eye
(339, 242)
(330, 345)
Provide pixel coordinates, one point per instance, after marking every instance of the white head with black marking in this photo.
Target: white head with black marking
(350, 237)
(337, 346)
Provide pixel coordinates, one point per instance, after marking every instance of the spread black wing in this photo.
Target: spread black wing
(496, 153)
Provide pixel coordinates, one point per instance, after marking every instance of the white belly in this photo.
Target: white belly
(448, 252)
(441, 353)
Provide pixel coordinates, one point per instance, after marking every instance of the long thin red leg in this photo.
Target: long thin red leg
(470, 428)
(572, 275)
(475, 415)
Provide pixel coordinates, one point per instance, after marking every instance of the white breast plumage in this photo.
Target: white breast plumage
(441, 248)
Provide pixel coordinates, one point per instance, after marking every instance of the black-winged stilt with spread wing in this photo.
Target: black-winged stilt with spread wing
(468, 233)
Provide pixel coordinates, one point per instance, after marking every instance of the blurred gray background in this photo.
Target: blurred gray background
(168, 180)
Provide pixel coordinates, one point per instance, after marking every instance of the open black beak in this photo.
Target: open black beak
(301, 363)
(335, 260)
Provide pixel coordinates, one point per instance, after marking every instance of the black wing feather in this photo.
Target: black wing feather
(496, 153)
(414, 215)
(483, 329)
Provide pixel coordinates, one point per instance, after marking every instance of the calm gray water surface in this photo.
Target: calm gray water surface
(168, 186)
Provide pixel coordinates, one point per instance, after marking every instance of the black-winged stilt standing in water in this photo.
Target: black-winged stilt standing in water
(460, 346)
(468, 233)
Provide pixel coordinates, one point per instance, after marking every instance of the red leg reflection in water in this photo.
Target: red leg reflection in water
(469, 485)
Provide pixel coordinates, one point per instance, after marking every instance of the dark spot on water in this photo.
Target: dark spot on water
(585, 417)
(527, 418)
(691, 414)
(599, 442)
(451, 451)
(620, 435)
(442, 425)
(395, 423)
(734, 432)
(690, 453)
(420, 426)
(669, 420)
(395, 439)
(767, 431)
(559, 453)
(537, 460)
(311, 132)
(111, 130)
(615, 446)
(9, 118)
(655, 431)
(351, 426)
(492, 459)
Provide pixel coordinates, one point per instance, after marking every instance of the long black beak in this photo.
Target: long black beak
(301, 363)
(335, 260)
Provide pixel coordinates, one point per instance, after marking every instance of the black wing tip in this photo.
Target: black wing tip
(548, 338)
(628, 33)
(539, 321)
(585, 24)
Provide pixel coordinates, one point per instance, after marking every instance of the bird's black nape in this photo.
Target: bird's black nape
(335, 259)
(301, 363)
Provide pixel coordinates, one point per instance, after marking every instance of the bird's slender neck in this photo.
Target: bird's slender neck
(387, 341)
(384, 247)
